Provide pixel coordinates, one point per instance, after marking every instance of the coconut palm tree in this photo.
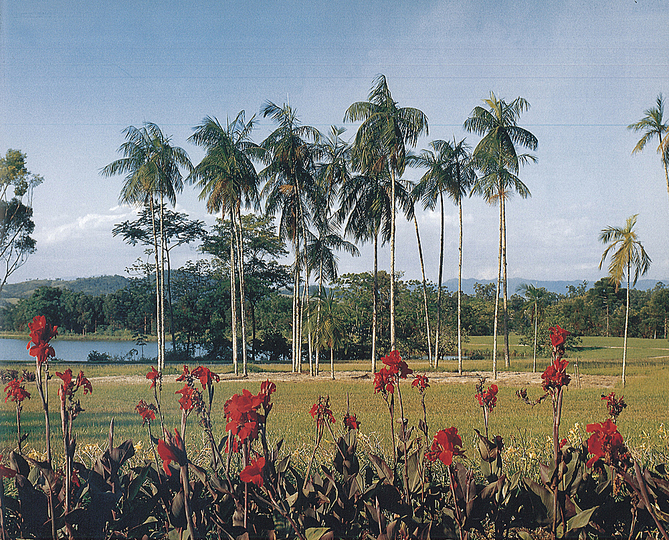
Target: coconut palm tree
(627, 256)
(535, 297)
(290, 153)
(653, 125)
(227, 179)
(497, 158)
(387, 129)
(153, 174)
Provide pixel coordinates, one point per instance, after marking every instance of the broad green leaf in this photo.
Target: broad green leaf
(581, 520)
(316, 533)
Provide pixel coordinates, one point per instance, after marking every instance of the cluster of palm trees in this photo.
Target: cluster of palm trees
(323, 189)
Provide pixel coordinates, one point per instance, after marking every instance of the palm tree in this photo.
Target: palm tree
(331, 326)
(289, 153)
(536, 297)
(653, 125)
(387, 130)
(228, 179)
(628, 255)
(499, 162)
(153, 171)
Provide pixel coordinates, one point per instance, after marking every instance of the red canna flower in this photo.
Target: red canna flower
(396, 365)
(252, 473)
(40, 335)
(206, 376)
(172, 449)
(153, 375)
(189, 398)
(146, 410)
(446, 445)
(384, 381)
(15, 391)
(351, 421)
(606, 444)
(321, 411)
(241, 411)
(83, 382)
(67, 386)
(555, 376)
(558, 335)
(487, 399)
(421, 382)
(614, 405)
(185, 374)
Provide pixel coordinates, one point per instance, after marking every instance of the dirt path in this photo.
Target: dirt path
(511, 378)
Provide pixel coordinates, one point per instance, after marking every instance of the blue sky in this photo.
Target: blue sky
(75, 73)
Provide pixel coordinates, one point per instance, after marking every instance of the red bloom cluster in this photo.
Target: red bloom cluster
(614, 405)
(16, 391)
(558, 336)
(321, 411)
(40, 335)
(153, 375)
(555, 376)
(487, 399)
(184, 375)
(206, 376)
(446, 445)
(252, 473)
(172, 449)
(351, 421)
(421, 382)
(241, 411)
(146, 410)
(68, 387)
(396, 365)
(267, 388)
(607, 444)
(189, 399)
(384, 381)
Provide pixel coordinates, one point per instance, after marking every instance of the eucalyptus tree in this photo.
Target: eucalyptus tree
(653, 125)
(152, 166)
(387, 130)
(498, 160)
(628, 257)
(537, 298)
(290, 153)
(227, 179)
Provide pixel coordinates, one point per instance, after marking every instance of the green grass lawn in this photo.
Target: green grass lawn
(526, 430)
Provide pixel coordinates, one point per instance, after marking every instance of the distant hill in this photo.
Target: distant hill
(559, 287)
(13, 292)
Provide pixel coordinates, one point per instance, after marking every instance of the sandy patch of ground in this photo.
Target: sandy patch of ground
(505, 378)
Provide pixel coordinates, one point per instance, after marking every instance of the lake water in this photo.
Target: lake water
(75, 351)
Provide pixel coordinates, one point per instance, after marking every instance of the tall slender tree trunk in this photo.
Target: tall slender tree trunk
(499, 279)
(162, 284)
(305, 304)
(332, 375)
(233, 297)
(375, 298)
(460, 289)
(507, 358)
(169, 298)
(242, 289)
(439, 280)
(296, 295)
(393, 344)
(317, 330)
(157, 265)
(536, 324)
(427, 313)
(627, 317)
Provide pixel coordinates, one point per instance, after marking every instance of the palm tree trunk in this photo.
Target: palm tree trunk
(536, 323)
(242, 289)
(317, 330)
(460, 289)
(427, 313)
(332, 363)
(157, 265)
(233, 297)
(627, 317)
(375, 297)
(441, 269)
(507, 360)
(393, 344)
(162, 283)
(306, 308)
(169, 299)
(296, 293)
(495, 317)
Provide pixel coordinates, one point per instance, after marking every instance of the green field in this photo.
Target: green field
(526, 430)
